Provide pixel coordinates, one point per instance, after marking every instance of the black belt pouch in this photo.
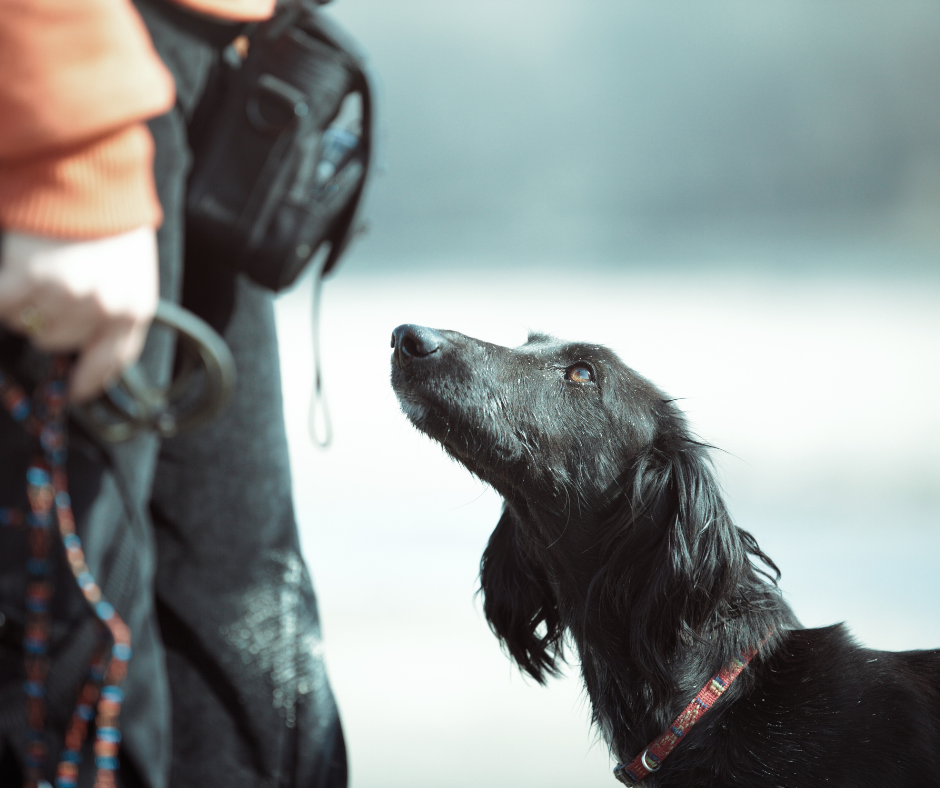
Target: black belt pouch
(282, 148)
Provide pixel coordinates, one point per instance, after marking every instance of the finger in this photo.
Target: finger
(99, 365)
(11, 315)
(44, 312)
(13, 300)
(103, 361)
(68, 324)
(11, 304)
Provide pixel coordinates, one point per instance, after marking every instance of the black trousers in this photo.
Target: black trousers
(194, 541)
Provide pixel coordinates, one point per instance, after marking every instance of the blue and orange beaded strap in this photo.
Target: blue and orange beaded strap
(36, 637)
(100, 697)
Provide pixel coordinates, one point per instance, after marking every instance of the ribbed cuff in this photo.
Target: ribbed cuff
(233, 10)
(100, 188)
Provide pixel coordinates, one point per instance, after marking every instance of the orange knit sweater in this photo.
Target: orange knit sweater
(79, 78)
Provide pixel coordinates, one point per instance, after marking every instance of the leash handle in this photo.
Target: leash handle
(132, 404)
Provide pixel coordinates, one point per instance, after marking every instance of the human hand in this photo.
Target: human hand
(96, 297)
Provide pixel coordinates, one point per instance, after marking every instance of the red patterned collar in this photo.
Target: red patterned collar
(653, 756)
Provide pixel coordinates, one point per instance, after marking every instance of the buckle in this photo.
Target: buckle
(623, 776)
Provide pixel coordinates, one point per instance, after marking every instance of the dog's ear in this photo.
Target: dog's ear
(519, 601)
(675, 563)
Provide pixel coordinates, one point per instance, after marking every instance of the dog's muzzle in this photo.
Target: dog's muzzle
(413, 343)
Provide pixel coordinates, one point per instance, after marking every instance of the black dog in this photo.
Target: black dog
(614, 531)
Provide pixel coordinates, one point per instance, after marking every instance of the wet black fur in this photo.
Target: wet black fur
(615, 532)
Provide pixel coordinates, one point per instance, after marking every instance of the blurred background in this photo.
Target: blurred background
(743, 199)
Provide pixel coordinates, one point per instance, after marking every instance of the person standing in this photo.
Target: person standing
(192, 539)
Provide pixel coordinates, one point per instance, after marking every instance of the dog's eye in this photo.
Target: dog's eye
(579, 373)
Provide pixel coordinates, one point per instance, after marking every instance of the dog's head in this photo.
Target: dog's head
(614, 527)
(538, 421)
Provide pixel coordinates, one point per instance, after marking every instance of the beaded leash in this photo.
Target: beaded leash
(47, 490)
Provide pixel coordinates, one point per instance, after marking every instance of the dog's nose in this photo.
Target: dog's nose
(411, 342)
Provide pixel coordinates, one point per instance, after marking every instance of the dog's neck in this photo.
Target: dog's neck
(642, 665)
(626, 706)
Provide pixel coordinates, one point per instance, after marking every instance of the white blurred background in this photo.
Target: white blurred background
(741, 198)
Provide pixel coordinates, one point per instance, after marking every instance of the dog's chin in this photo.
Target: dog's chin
(426, 419)
(462, 447)
(436, 426)
(422, 414)
(415, 410)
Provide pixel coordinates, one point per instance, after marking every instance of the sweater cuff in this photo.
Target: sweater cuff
(100, 188)
(232, 10)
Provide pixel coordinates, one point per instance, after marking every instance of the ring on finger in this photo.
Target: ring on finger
(31, 320)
